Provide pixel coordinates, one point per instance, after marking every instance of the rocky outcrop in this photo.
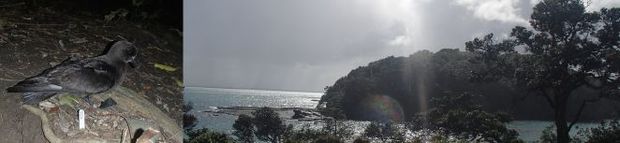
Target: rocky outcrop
(303, 114)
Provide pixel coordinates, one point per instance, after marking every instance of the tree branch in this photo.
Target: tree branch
(549, 100)
(581, 107)
(589, 84)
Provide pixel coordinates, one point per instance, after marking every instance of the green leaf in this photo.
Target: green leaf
(164, 67)
(179, 82)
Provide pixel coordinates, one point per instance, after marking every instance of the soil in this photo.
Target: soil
(35, 38)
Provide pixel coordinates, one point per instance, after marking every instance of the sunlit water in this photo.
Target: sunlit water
(204, 99)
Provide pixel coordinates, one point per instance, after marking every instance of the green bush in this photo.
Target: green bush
(461, 116)
(269, 125)
(206, 136)
(385, 132)
(607, 132)
(244, 129)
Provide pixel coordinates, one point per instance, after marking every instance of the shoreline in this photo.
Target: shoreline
(238, 110)
(288, 113)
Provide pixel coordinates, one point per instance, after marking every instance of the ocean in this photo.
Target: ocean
(209, 99)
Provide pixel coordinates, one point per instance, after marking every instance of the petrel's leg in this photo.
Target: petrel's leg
(107, 103)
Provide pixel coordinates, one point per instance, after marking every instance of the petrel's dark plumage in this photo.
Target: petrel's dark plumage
(81, 76)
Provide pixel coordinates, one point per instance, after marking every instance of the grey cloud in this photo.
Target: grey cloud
(500, 10)
(307, 45)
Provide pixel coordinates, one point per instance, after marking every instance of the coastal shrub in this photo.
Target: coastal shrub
(334, 131)
(607, 132)
(269, 125)
(337, 128)
(385, 132)
(266, 125)
(460, 116)
(361, 140)
(244, 129)
(548, 135)
(189, 120)
(304, 134)
(328, 139)
(206, 136)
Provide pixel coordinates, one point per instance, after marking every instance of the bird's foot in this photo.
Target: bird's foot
(88, 101)
(107, 103)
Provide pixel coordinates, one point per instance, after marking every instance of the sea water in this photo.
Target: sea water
(208, 99)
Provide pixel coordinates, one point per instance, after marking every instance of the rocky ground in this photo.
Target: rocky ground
(35, 38)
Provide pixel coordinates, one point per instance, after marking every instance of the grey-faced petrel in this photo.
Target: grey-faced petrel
(80, 76)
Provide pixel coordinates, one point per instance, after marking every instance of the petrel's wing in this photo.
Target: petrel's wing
(87, 76)
(76, 76)
(42, 82)
(39, 87)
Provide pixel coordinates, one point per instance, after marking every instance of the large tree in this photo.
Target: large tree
(566, 48)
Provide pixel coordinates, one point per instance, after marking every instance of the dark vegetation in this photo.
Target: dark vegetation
(205, 135)
(189, 120)
(461, 117)
(266, 125)
(384, 132)
(154, 13)
(607, 132)
(202, 135)
(563, 68)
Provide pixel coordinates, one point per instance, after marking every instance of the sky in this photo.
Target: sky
(305, 45)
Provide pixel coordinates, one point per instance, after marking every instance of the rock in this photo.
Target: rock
(149, 136)
(300, 114)
(165, 106)
(48, 106)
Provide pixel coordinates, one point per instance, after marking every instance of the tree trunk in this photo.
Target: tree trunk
(560, 120)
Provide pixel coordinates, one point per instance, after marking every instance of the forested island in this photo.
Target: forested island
(446, 72)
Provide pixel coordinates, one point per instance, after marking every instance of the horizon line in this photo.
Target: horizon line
(286, 90)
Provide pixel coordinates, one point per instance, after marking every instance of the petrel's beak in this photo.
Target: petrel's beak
(133, 62)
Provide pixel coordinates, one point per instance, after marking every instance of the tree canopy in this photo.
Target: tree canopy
(565, 49)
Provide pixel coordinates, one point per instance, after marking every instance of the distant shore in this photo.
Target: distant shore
(310, 114)
(261, 89)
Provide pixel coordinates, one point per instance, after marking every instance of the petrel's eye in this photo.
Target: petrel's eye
(132, 52)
